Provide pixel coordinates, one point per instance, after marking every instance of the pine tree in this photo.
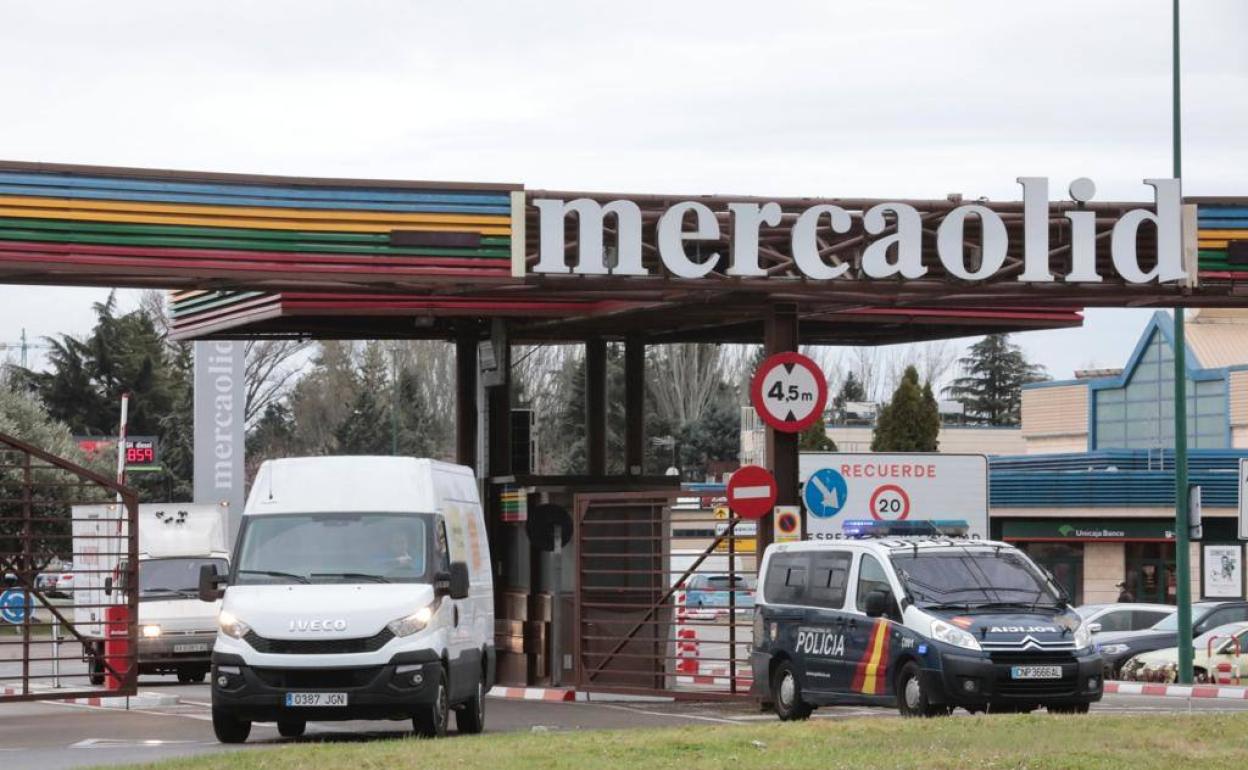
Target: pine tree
(910, 421)
(851, 390)
(815, 438)
(367, 429)
(991, 389)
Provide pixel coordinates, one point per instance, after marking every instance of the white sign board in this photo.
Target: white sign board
(220, 401)
(855, 489)
(1243, 493)
(1223, 571)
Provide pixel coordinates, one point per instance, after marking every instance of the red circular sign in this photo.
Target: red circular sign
(787, 522)
(890, 502)
(789, 392)
(751, 492)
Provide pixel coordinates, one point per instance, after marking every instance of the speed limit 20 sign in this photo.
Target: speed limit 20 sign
(789, 392)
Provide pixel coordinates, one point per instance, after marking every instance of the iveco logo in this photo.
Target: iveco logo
(1023, 630)
(318, 625)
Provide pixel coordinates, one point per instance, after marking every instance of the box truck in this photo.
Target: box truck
(360, 589)
(176, 630)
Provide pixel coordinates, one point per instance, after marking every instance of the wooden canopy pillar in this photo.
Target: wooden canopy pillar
(596, 406)
(634, 405)
(780, 335)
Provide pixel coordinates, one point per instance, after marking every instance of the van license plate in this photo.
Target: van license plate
(1036, 672)
(316, 699)
(190, 647)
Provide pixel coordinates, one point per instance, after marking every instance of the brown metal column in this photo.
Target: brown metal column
(634, 406)
(499, 400)
(596, 406)
(466, 397)
(780, 336)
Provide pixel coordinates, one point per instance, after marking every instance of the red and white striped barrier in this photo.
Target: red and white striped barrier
(1177, 690)
(533, 693)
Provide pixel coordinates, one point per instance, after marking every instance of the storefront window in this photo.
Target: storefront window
(1150, 572)
(1064, 560)
(1141, 414)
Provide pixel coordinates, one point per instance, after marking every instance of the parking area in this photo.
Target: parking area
(49, 735)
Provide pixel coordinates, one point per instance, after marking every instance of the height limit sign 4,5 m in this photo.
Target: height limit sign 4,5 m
(789, 392)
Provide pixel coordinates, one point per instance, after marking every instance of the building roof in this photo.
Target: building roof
(1219, 338)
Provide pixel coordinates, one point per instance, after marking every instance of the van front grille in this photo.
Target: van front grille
(317, 678)
(318, 646)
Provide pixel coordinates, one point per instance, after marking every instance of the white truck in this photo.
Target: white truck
(176, 630)
(361, 589)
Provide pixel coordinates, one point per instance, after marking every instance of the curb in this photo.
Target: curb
(562, 695)
(1213, 691)
(143, 700)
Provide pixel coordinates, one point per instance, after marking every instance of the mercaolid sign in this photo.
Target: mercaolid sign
(972, 242)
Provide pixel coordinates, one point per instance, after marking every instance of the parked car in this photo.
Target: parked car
(1126, 616)
(62, 583)
(710, 592)
(1120, 646)
(1227, 644)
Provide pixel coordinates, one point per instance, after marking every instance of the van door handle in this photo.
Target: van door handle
(455, 615)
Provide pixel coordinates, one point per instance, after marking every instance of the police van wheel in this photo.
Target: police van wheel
(229, 729)
(912, 696)
(786, 693)
(431, 721)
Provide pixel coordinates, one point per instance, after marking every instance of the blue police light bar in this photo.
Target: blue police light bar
(915, 528)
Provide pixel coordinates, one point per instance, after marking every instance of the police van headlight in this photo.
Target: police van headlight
(410, 624)
(1083, 637)
(231, 626)
(943, 632)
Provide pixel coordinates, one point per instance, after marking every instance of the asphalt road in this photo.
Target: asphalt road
(49, 736)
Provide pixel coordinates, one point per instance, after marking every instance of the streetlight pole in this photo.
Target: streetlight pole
(1182, 567)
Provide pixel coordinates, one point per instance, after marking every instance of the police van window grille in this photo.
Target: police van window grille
(786, 580)
(829, 578)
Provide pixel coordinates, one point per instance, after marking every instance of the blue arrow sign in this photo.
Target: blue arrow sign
(14, 605)
(825, 493)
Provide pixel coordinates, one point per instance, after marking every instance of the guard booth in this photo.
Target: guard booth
(491, 266)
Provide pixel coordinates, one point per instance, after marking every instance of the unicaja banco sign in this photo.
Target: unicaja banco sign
(973, 242)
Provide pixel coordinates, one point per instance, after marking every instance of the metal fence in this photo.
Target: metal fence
(54, 617)
(665, 596)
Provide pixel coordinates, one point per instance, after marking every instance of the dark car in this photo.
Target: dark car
(1118, 647)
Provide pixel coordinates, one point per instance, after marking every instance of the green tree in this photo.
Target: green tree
(910, 421)
(366, 429)
(851, 390)
(124, 353)
(815, 438)
(990, 391)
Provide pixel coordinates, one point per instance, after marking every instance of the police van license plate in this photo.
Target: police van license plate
(1036, 672)
(316, 699)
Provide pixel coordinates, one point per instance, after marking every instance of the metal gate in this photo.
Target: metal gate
(665, 596)
(49, 647)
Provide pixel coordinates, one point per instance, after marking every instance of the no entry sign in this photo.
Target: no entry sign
(751, 492)
(789, 392)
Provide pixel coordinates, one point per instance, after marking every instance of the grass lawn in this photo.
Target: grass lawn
(1202, 741)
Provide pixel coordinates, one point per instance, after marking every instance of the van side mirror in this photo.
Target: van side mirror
(877, 603)
(108, 586)
(459, 580)
(1094, 628)
(210, 583)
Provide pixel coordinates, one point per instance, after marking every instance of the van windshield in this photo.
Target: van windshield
(176, 578)
(973, 579)
(334, 548)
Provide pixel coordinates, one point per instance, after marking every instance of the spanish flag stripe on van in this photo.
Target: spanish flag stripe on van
(871, 669)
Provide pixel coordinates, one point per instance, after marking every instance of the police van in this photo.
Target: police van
(926, 623)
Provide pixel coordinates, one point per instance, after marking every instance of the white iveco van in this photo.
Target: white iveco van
(360, 589)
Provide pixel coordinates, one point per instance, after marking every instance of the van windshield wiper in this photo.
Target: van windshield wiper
(1008, 605)
(964, 606)
(353, 576)
(274, 573)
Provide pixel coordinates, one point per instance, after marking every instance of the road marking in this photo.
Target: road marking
(130, 743)
(696, 717)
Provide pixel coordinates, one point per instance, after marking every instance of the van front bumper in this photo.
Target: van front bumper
(169, 651)
(965, 680)
(397, 690)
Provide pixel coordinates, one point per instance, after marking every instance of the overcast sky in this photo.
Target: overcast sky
(888, 99)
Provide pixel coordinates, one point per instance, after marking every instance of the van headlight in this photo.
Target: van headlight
(1083, 637)
(151, 632)
(231, 626)
(1112, 649)
(943, 632)
(410, 624)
